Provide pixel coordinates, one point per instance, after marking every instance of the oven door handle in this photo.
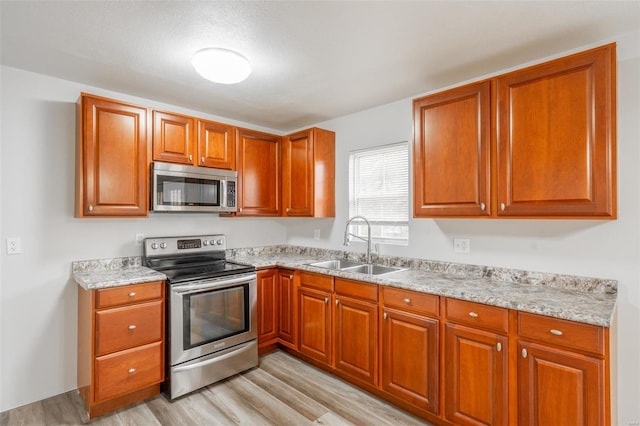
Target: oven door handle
(235, 352)
(212, 284)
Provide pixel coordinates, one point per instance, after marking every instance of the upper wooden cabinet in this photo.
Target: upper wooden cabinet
(308, 173)
(188, 140)
(112, 158)
(173, 138)
(258, 163)
(537, 142)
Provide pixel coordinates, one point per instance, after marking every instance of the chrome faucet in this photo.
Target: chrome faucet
(348, 234)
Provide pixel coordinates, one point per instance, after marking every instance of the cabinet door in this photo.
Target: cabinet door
(409, 358)
(216, 145)
(287, 314)
(556, 137)
(268, 296)
(315, 324)
(258, 165)
(559, 387)
(451, 152)
(297, 174)
(112, 162)
(173, 138)
(356, 338)
(476, 373)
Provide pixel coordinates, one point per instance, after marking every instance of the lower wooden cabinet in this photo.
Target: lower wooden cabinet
(287, 314)
(120, 345)
(268, 307)
(315, 324)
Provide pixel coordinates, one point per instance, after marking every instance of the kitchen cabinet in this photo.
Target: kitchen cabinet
(216, 145)
(409, 347)
(562, 372)
(315, 310)
(355, 329)
(258, 162)
(287, 314)
(174, 137)
(476, 370)
(111, 159)
(120, 345)
(268, 307)
(538, 142)
(308, 173)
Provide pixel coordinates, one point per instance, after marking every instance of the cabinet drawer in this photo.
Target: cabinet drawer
(126, 327)
(357, 289)
(570, 334)
(127, 371)
(413, 301)
(477, 315)
(127, 294)
(322, 282)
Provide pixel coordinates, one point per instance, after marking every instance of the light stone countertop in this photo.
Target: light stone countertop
(589, 307)
(96, 274)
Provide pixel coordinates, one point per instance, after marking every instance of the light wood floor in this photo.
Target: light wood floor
(281, 391)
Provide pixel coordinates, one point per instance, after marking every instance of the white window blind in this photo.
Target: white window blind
(379, 191)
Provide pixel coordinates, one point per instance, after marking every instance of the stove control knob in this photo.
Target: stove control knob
(212, 242)
(220, 242)
(205, 242)
(163, 245)
(154, 246)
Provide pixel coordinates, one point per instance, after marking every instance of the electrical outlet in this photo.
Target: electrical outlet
(316, 234)
(461, 245)
(13, 245)
(139, 239)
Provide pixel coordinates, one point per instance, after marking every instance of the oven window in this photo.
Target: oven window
(215, 314)
(181, 191)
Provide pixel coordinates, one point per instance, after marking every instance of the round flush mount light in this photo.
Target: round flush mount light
(221, 65)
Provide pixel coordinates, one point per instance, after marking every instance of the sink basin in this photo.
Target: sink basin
(336, 264)
(373, 269)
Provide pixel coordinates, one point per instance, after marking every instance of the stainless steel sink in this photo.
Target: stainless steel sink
(357, 267)
(336, 264)
(373, 269)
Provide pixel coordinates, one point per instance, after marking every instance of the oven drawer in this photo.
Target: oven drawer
(126, 327)
(128, 294)
(127, 371)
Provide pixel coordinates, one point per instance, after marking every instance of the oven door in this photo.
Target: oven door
(210, 315)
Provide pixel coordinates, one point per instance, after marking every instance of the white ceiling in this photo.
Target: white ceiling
(312, 60)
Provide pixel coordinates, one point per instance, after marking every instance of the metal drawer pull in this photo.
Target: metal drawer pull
(90, 207)
(502, 207)
(556, 332)
(202, 160)
(337, 302)
(499, 347)
(384, 315)
(132, 370)
(326, 300)
(132, 294)
(473, 314)
(524, 353)
(132, 327)
(191, 158)
(407, 301)
(482, 206)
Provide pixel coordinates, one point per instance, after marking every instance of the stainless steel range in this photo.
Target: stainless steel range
(211, 314)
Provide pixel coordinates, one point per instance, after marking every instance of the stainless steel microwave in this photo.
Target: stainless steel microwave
(180, 188)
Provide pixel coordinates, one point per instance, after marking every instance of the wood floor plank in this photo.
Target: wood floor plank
(138, 414)
(230, 403)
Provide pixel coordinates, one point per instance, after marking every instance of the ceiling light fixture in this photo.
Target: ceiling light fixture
(221, 65)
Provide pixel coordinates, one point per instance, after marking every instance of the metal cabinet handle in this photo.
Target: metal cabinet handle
(502, 207)
(407, 301)
(202, 160)
(326, 300)
(132, 370)
(337, 302)
(499, 347)
(190, 157)
(524, 353)
(473, 314)
(132, 294)
(90, 207)
(556, 332)
(384, 315)
(482, 206)
(132, 327)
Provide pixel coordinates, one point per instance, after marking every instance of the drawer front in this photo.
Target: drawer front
(126, 327)
(413, 301)
(322, 282)
(127, 371)
(357, 289)
(127, 294)
(477, 315)
(570, 334)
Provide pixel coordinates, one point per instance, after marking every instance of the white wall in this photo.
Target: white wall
(605, 249)
(38, 309)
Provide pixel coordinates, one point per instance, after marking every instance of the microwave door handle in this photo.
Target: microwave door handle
(223, 193)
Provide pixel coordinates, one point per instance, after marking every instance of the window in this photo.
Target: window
(379, 191)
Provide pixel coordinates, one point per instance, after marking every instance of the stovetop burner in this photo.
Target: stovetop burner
(184, 259)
